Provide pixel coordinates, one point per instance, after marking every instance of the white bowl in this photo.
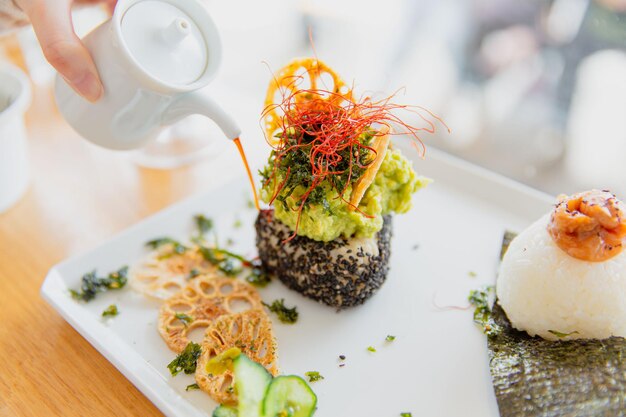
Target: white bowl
(15, 95)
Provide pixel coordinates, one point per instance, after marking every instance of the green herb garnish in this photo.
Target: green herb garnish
(390, 338)
(561, 335)
(229, 267)
(91, 284)
(237, 224)
(110, 311)
(217, 254)
(286, 315)
(117, 279)
(506, 241)
(192, 387)
(313, 376)
(193, 273)
(482, 312)
(293, 171)
(186, 361)
(406, 415)
(226, 261)
(258, 277)
(371, 349)
(184, 318)
(472, 274)
(203, 223)
(177, 247)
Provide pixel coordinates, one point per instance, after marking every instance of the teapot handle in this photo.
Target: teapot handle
(199, 103)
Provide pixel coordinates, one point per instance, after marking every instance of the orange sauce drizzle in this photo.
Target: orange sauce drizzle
(245, 163)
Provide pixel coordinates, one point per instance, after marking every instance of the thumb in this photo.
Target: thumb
(62, 48)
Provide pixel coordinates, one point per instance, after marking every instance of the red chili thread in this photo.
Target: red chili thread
(336, 123)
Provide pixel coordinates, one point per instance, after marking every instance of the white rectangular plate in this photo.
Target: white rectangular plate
(437, 365)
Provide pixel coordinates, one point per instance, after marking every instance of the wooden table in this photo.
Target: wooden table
(79, 196)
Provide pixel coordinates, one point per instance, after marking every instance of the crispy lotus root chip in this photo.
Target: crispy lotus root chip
(251, 332)
(289, 80)
(164, 272)
(199, 303)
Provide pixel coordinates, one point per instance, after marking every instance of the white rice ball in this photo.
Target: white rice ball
(542, 288)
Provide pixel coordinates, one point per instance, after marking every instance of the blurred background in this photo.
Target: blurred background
(535, 90)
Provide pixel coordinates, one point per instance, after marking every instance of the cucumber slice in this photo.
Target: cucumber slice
(223, 411)
(289, 396)
(251, 382)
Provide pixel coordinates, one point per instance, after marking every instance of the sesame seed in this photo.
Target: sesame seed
(305, 265)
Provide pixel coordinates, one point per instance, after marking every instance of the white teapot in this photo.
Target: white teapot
(153, 57)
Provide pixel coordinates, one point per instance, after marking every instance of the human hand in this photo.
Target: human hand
(52, 22)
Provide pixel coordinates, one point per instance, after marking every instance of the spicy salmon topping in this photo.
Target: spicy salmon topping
(590, 226)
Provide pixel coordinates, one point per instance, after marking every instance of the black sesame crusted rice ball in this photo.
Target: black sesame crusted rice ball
(340, 273)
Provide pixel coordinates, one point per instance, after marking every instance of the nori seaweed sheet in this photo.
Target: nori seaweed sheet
(506, 241)
(536, 377)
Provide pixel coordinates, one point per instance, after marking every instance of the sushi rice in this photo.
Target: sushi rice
(548, 293)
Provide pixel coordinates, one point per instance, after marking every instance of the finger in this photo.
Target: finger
(109, 5)
(63, 49)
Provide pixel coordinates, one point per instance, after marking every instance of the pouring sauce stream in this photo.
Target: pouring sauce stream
(245, 162)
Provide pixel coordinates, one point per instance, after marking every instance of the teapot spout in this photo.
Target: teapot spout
(198, 103)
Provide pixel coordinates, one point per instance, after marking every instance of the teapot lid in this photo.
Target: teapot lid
(165, 41)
